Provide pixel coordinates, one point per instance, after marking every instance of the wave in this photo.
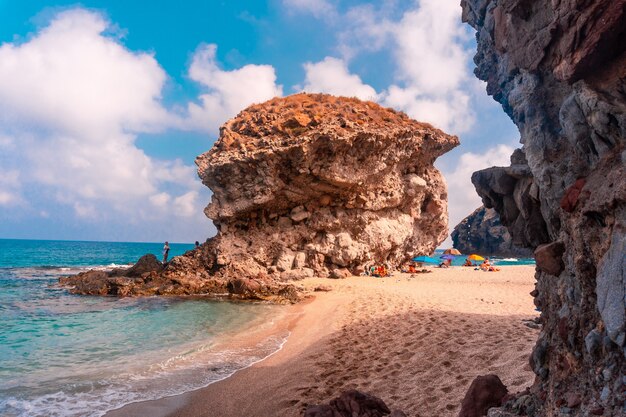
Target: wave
(45, 272)
(174, 376)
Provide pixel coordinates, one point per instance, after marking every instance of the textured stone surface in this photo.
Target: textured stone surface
(353, 403)
(559, 70)
(325, 183)
(549, 258)
(485, 391)
(481, 232)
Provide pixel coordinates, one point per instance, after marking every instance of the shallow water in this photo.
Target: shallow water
(70, 355)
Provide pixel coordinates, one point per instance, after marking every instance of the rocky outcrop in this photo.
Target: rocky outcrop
(559, 71)
(194, 273)
(319, 185)
(303, 186)
(481, 232)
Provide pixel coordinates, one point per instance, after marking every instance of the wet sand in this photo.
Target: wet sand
(417, 341)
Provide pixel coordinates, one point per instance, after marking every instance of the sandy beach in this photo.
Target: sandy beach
(416, 341)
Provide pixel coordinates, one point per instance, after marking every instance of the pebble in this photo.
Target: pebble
(604, 396)
(592, 341)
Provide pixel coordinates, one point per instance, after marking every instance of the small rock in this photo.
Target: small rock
(299, 213)
(573, 399)
(596, 411)
(604, 395)
(146, 264)
(325, 200)
(284, 222)
(340, 273)
(570, 198)
(549, 258)
(486, 391)
(299, 260)
(323, 288)
(593, 341)
(352, 403)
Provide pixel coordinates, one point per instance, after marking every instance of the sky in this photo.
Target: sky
(104, 104)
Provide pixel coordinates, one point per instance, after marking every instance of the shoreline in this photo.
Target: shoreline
(402, 326)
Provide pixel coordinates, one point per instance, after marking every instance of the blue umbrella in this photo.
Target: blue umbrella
(426, 259)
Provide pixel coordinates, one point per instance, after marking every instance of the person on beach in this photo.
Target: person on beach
(468, 262)
(166, 251)
(485, 265)
(197, 244)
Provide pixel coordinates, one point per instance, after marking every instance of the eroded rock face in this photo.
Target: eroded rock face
(559, 71)
(315, 184)
(481, 232)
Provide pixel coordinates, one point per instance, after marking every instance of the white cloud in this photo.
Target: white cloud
(160, 200)
(7, 198)
(332, 76)
(430, 58)
(10, 186)
(462, 196)
(71, 77)
(318, 8)
(72, 101)
(228, 92)
(186, 204)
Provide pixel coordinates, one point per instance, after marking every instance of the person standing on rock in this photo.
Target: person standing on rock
(166, 251)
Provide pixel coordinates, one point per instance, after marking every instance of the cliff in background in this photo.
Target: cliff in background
(559, 71)
(481, 232)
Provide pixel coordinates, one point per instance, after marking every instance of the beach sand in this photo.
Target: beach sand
(416, 341)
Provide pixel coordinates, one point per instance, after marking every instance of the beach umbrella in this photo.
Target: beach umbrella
(475, 257)
(451, 251)
(426, 260)
(448, 257)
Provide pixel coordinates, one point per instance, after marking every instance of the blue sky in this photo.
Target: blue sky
(105, 104)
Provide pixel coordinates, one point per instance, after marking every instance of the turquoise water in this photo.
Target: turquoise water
(70, 355)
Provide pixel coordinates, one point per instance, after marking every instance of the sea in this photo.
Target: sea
(71, 355)
(494, 260)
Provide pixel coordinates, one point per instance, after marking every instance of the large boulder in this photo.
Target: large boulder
(559, 70)
(481, 232)
(325, 183)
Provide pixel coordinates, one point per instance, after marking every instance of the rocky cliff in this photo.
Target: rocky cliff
(559, 71)
(481, 232)
(306, 185)
(315, 184)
